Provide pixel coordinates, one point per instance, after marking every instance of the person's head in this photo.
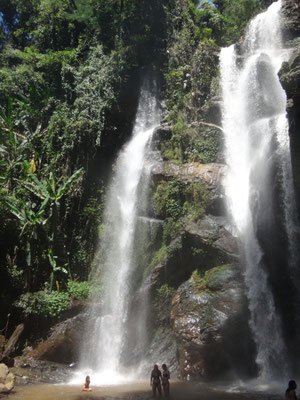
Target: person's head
(88, 379)
(155, 367)
(292, 385)
(164, 367)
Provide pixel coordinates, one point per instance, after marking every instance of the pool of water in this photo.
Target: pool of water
(142, 391)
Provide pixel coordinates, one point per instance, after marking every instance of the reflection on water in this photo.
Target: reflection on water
(72, 392)
(142, 391)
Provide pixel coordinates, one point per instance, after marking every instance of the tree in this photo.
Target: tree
(31, 221)
(48, 191)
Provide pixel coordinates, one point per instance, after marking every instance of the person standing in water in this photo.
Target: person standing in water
(165, 380)
(290, 392)
(155, 380)
(86, 385)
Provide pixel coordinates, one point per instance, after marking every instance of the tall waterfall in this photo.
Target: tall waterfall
(116, 268)
(259, 182)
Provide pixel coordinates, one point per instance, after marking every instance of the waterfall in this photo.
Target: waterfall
(259, 183)
(116, 267)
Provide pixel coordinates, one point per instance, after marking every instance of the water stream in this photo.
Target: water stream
(259, 183)
(126, 198)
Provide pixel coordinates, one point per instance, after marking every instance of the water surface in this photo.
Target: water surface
(141, 391)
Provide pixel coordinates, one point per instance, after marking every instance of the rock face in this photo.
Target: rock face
(63, 343)
(7, 379)
(290, 79)
(212, 175)
(209, 318)
(207, 312)
(197, 288)
(291, 18)
(201, 246)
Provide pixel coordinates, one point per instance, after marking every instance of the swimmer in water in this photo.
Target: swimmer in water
(86, 385)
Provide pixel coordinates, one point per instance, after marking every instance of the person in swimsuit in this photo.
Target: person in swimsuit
(86, 385)
(155, 380)
(290, 392)
(165, 380)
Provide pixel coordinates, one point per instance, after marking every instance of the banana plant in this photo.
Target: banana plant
(53, 191)
(49, 189)
(30, 222)
(55, 268)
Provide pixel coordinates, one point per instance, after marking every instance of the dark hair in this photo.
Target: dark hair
(292, 385)
(164, 366)
(87, 377)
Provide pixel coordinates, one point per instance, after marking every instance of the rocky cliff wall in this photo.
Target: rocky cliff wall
(290, 79)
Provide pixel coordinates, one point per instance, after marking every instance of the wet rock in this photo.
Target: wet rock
(290, 80)
(209, 318)
(7, 379)
(291, 17)
(216, 232)
(163, 349)
(202, 246)
(290, 74)
(212, 175)
(63, 343)
(162, 133)
(212, 110)
(170, 269)
(29, 370)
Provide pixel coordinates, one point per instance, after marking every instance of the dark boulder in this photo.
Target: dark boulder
(210, 320)
(290, 80)
(291, 18)
(64, 342)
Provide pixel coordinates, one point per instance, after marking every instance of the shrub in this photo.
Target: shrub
(164, 291)
(79, 290)
(45, 303)
(167, 200)
(197, 197)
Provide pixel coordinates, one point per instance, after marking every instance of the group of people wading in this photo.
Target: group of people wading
(158, 379)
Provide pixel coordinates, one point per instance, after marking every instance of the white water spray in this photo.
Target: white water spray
(256, 131)
(127, 190)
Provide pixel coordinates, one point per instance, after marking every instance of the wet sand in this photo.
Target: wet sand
(135, 391)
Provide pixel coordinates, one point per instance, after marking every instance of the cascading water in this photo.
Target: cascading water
(259, 182)
(103, 354)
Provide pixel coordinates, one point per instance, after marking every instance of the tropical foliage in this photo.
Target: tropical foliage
(69, 78)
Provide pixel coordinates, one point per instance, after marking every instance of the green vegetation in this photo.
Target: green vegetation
(79, 290)
(192, 144)
(44, 303)
(195, 35)
(174, 200)
(156, 259)
(69, 78)
(164, 292)
(64, 112)
(202, 282)
(48, 303)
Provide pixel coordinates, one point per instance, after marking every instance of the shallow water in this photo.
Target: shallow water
(139, 391)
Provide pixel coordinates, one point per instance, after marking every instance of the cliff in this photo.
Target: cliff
(189, 263)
